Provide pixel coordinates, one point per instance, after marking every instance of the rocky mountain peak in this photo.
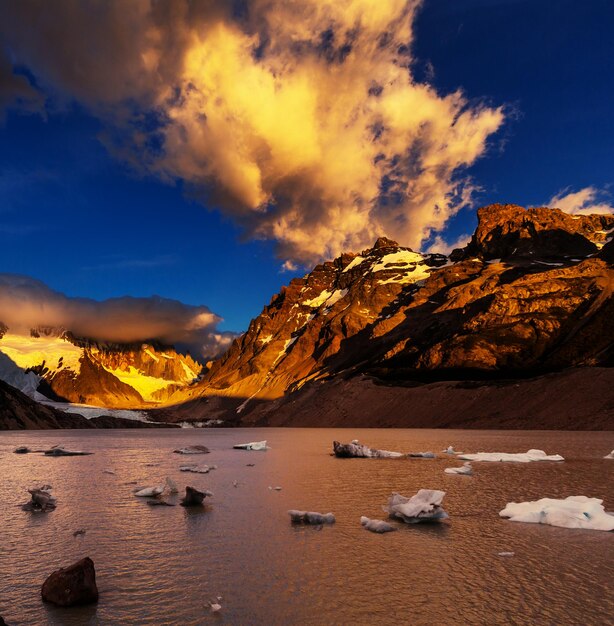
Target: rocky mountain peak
(508, 230)
(384, 242)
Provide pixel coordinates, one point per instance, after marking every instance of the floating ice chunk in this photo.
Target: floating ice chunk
(192, 450)
(252, 445)
(310, 517)
(464, 470)
(274, 488)
(572, 512)
(506, 553)
(357, 450)
(451, 450)
(376, 525)
(422, 455)
(171, 486)
(425, 506)
(41, 500)
(197, 469)
(108, 471)
(517, 457)
(609, 456)
(149, 492)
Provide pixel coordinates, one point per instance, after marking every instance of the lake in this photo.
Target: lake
(162, 565)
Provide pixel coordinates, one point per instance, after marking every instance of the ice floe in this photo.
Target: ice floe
(421, 455)
(252, 445)
(310, 517)
(465, 469)
(376, 525)
(515, 457)
(425, 506)
(451, 450)
(41, 500)
(572, 512)
(149, 492)
(607, 456)
(357, 450)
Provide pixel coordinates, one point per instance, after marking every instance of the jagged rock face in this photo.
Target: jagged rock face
(507, 230)
(77, 370)
(18, 412)
(389, 310)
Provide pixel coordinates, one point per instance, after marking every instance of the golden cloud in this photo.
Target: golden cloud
(301, 120)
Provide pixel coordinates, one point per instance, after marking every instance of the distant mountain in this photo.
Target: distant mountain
(530, 295)
(52, 363)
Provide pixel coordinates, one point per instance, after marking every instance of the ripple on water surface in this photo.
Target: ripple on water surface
(163, 564)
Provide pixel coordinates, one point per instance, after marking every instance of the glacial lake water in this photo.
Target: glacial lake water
(161, 565)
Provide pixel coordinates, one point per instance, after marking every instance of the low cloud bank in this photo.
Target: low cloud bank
(27, 303)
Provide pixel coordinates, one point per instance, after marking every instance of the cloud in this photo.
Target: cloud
(299, 120)
(584, 202)
(441, 246)
(27, 303)
(16, 90)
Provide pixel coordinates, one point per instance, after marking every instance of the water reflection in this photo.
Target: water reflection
(162, 564)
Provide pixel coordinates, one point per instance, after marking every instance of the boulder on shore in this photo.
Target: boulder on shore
(73, 585)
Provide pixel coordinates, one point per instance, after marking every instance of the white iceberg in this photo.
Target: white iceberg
(252, 445)
(310, 517)
(425, 506)
(572, 512)
(376, 525)
(515, 457)
(609, 456)
(149, 492)
(357, 450)
(465, 469)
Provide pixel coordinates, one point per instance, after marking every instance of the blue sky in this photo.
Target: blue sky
(79, 219)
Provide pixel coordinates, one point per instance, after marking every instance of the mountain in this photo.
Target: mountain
(529, 296)
(52, 363)
(19, 412)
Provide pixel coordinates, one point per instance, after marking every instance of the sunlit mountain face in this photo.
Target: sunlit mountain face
(80, 371)
(221, 152)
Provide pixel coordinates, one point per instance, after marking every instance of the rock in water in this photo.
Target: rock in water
(376, 525)
(2, 622)
(356, 450)
(193, 497)
(62, 451)
(73, 585)
(21, 450)
(192, 450)
(425, 506)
